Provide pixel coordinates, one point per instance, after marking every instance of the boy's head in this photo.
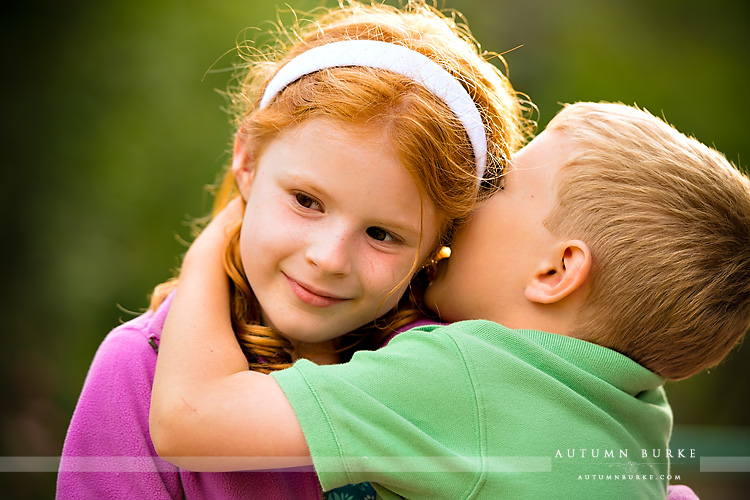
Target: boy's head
(641, 242)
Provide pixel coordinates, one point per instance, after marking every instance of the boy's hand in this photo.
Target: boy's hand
(206, 252)
(196, 414)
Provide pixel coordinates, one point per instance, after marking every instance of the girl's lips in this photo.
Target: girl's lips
(310, 297)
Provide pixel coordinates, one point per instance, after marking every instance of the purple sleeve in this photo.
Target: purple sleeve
(108, 451)
(680, 492)
(409, 326)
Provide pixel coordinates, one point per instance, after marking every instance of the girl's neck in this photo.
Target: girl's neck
(320, 353)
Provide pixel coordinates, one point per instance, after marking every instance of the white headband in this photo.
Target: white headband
(395, 58)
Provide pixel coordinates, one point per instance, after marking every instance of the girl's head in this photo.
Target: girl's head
(382, 118)
(430, 139)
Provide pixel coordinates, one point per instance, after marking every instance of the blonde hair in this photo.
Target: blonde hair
(667, 220)
(427, 136)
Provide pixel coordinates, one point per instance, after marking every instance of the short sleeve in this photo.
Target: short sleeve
(405, 417)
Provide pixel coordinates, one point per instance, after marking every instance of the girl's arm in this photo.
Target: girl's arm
(208, 411)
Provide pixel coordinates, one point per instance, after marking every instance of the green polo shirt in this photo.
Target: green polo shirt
(476, 410)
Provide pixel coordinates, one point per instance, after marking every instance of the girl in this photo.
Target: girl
(357, 150)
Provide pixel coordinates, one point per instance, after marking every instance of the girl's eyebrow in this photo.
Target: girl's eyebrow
(400, 228)
(309, 182)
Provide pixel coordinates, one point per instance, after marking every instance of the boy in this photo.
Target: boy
(617, 256)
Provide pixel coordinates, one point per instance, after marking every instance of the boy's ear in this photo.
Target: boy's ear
(562, 274)
(241, 168)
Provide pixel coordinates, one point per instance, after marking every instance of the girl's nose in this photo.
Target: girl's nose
(330, 253)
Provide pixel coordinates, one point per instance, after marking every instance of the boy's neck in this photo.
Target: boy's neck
(559, 318)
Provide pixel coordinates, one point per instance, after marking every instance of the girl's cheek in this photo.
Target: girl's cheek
(268, 222)
(389, 270)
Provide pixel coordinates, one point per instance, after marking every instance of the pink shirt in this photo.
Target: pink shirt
(108, 451)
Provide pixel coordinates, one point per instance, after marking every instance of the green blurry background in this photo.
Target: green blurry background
(112, 128)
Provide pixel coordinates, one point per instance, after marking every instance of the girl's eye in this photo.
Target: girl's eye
(307, 201)
(379, 234)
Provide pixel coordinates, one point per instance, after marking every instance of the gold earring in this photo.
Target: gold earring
(441, 254)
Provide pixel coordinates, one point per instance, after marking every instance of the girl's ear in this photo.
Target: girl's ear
(565, 272)
(241, 168)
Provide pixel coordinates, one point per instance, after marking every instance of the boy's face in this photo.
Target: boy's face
(498, 250)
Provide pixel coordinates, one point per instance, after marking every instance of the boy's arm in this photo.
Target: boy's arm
(208, 411)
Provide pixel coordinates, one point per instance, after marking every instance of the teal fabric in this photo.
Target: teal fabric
(361, 491)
